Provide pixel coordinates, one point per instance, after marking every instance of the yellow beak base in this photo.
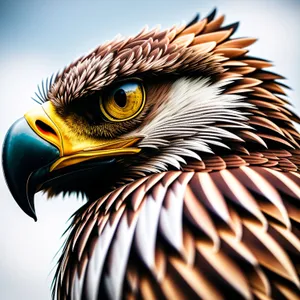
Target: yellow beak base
(74, 149)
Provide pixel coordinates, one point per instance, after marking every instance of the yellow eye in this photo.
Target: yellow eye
(123, 102)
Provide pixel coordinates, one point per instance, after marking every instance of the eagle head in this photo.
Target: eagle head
(188, 156)
(158, 101)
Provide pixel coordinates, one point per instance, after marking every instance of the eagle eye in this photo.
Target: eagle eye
(123, 102)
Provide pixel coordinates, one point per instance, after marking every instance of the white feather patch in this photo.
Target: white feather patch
(184, 125)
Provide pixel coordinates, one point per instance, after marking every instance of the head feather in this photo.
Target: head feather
(202, 49)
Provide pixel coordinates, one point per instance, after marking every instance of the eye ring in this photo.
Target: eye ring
(123, 102)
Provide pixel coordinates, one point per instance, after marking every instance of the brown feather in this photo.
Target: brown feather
(266, 250)
(226, 225)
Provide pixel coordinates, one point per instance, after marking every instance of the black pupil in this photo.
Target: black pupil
(120, 98)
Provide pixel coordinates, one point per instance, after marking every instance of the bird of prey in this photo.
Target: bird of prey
(188, 155)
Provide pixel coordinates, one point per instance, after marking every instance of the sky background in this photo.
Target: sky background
(37, 38)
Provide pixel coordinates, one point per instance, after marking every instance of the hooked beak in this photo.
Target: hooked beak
(40, 147)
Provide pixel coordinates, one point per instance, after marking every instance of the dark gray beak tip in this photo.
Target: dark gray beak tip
(23, 153)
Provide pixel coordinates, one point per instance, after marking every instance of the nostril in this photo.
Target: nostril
(44, 128)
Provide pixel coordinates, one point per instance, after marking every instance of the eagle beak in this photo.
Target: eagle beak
(41, 147)
(23, 153)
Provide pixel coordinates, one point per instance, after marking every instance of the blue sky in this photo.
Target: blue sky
(40, 37)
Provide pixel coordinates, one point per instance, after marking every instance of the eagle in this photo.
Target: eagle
(188, 154)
